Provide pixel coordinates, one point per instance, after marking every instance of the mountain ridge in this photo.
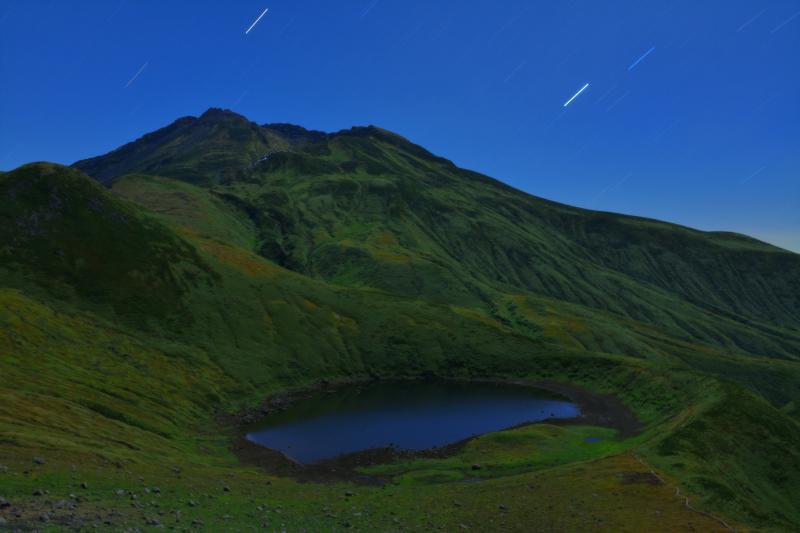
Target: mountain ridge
(195, 274)
(296, 132)
(345, 169)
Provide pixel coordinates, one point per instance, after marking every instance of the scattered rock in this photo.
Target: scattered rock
(463, 526)
(156, 490)
(502, 507)
(197, 523)
(38, 492)
(61, 504)
(153, 522)
(226, 488)
(3, 521)
(44, 517)
(349, 493)
(4, 503)
(457, 503)
(3, 468)
(84, 485)
(476, 466)
(119, 492)
(38, 460)
(191, 503)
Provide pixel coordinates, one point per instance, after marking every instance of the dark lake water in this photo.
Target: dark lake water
(405, 415)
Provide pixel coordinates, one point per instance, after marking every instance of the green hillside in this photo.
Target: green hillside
(222, 262)
(366, 208)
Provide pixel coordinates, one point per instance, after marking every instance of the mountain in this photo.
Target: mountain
(218, 146)
(192, 273)
(365, 207)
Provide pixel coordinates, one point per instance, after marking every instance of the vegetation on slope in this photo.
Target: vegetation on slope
(365, 208)
(62, 232)
(209, 277)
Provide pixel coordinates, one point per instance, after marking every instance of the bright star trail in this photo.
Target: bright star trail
(574, 96)
(633, 65)
(253, 25)
(133, 79)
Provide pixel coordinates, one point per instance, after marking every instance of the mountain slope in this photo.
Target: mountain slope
(70, 242)
(224, 262)
(365, 207)
(65, 233)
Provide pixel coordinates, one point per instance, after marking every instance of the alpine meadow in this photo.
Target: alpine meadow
(158, 299)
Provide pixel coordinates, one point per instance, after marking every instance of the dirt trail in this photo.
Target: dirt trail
(685, 498)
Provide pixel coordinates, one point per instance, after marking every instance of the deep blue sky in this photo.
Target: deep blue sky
(704, 131)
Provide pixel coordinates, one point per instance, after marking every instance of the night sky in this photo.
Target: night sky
(692, 113)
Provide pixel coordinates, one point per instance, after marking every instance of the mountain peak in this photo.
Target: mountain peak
(221, 145)
(217, 145)
(217, 113)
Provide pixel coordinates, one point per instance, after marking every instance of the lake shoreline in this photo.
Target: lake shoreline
(596, 410)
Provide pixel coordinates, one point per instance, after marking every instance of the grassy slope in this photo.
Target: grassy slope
(364, 205)
(365, 208)
(61, 232)
(82, 382)
(248, 326)
(201, 216)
